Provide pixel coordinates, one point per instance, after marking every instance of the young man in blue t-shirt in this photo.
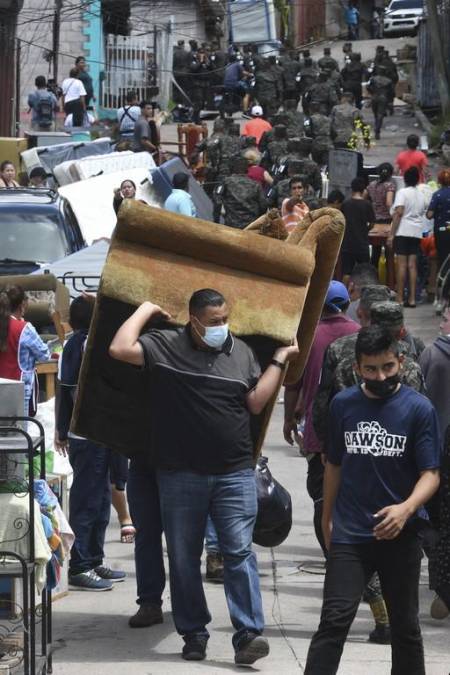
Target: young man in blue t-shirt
(382, 467)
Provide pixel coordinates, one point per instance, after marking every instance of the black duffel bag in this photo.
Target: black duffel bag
(274, 519)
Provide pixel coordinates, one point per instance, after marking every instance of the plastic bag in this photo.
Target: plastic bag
(274, 519)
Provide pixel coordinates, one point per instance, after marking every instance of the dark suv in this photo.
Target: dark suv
(37, 226)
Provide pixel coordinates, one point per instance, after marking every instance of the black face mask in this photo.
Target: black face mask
(383, 388)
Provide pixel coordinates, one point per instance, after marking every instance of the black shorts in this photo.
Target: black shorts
(349, 259)
(406, 245)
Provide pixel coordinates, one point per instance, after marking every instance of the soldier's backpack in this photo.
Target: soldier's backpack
(44, 110)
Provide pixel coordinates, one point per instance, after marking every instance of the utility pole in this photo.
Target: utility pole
(17, 111)
(439, 55)
(56, 37)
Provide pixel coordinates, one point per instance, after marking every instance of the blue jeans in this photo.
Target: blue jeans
(89, 503)
(230, 499)
(211, 538)
(143, 500)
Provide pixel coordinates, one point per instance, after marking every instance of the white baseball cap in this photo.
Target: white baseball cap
(257, 111)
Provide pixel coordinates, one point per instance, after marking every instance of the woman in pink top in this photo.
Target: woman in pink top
(412, 157)
(294, 209)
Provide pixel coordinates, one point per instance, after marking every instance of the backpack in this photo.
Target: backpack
(44, 110)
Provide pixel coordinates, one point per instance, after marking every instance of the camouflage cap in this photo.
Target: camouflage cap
(372, 294)
(387, 314)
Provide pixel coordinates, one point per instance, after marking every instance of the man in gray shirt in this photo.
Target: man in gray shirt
(146, 134)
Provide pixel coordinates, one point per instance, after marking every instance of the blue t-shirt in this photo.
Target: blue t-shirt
(180, 201)
(440, 205)
(382, 445)
(233, 74)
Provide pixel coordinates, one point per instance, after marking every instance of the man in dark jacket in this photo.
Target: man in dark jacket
(435, 364)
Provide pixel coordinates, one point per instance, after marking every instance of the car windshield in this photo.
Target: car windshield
(27, 235)
(405, 4)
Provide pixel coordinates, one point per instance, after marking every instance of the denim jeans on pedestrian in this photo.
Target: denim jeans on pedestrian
(211, 538)
(143, 500)
(89, 503)
(230, 499)
(349, 568)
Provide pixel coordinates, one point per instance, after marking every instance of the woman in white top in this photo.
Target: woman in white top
(408, 212)
(74, 97)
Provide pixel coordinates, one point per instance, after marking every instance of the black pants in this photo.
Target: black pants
(76, 108)
(349, 567)
(379, 107)
(314, 486)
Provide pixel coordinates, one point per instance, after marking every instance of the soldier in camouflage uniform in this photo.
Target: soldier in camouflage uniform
(323, 92)
(278, 72)
(213, 148)
(390, 315)
(300, 149)
(243, 199)
(327, 61)
(295, 119)
(221, 149)
(392, 74)
(344, 118)
(277, 148)
(318, 127)
(352, 76)
(337, 370)
(307, 77)
(291, 69)
(380, 87)
(267, 89)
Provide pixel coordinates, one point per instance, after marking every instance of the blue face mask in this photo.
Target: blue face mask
(215, 336)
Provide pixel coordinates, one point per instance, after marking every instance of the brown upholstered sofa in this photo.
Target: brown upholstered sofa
(275, 290)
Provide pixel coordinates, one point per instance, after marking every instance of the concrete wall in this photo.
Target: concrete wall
(35, 24)
(189, 23)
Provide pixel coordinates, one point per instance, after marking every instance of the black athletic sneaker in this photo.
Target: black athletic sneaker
(194, 648)
(250, 649)
(381, 634)
(147, 615)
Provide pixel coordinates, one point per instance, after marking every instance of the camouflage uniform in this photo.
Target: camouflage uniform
(380, 87)
(318, 127)
(307, 77)
(295, 123)
(324, 94)
(390, 315)
(298, 150)
(276, 147)
(343, 120)
(327, 62)
(243, 201)
(338, 372)
(352, 76)
(267, 90)
(291, 68)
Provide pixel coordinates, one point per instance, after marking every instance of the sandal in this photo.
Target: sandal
(127, 533)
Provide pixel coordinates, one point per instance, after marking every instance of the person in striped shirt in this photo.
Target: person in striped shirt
(294, 209)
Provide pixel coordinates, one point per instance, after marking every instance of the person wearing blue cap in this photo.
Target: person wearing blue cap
(299, 397)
